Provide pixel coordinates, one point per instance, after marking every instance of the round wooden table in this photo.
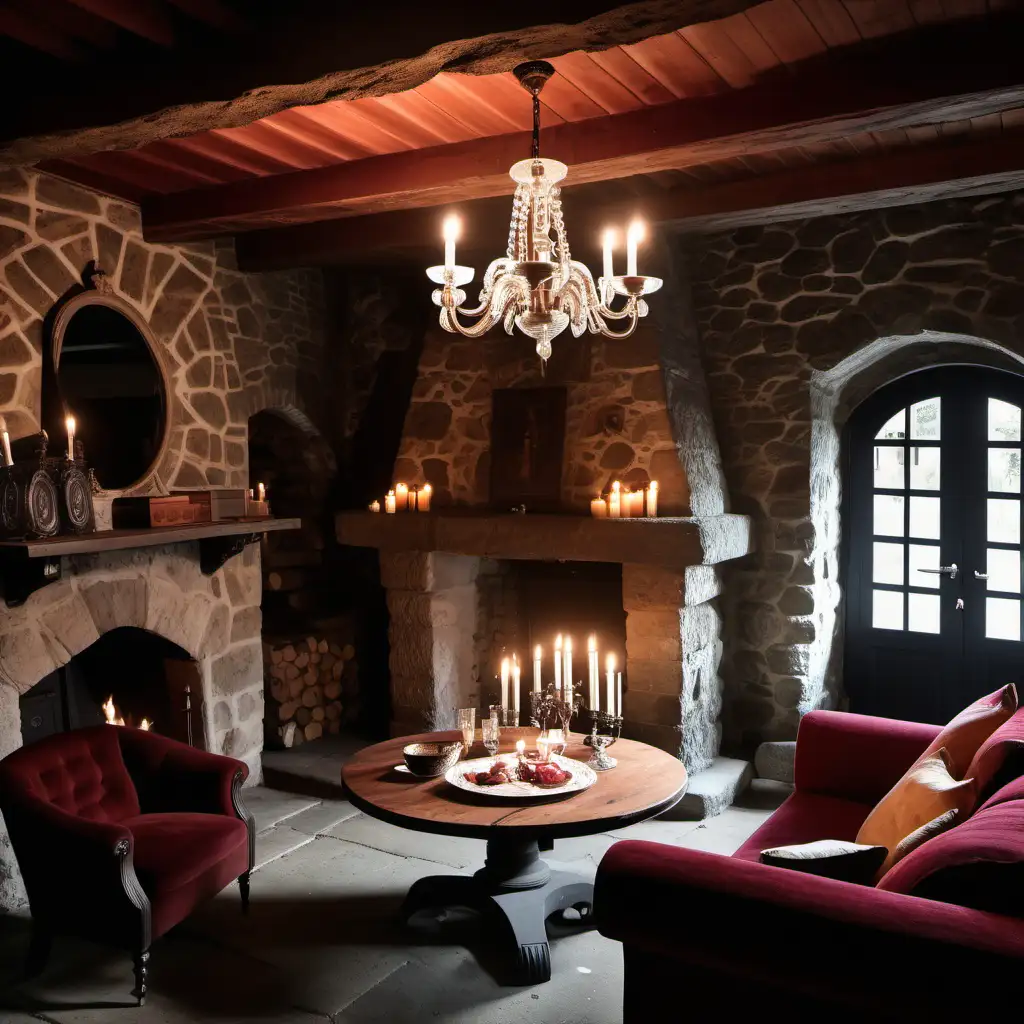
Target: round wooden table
(515, 889)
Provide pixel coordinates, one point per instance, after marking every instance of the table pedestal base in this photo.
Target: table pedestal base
(516, 892)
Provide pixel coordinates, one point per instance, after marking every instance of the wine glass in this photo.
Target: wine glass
(467, 723)
(490, 731)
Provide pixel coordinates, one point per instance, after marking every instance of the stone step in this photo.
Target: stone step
(713, 790)
(775, 760)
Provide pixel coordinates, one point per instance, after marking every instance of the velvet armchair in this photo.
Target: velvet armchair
(120, 833)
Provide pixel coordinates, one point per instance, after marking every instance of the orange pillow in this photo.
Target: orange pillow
(925, 793)
(966, 733)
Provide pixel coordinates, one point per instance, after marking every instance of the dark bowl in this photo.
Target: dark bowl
(428, 760)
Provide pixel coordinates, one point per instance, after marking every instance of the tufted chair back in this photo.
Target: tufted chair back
(81, 772)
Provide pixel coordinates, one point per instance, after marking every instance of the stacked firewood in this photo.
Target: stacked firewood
(304, 686)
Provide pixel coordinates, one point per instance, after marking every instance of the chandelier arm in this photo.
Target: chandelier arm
(451, 323)
(610, 314)
(618, 335)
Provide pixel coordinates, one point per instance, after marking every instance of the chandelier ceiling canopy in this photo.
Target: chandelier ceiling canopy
(537, 286)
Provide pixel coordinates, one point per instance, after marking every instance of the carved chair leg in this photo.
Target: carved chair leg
(38, 950)
(243, 888)
(141, 961)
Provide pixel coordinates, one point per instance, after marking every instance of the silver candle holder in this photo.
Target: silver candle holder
(605, 729)
(550, 707)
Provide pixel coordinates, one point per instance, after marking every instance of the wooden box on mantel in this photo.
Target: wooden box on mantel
(183, 507)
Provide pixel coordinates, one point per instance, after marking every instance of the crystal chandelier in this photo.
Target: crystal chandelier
(537, 286)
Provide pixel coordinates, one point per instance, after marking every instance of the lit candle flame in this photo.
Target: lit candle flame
(145, 725)
(520, 747)
(110, 712)
(609, 663)
(591, 643)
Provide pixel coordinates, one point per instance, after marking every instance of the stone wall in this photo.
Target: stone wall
(229, 343)
(617, 423)
(788, 313)
(216, 619)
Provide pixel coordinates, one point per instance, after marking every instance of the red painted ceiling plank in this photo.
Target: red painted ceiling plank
(77, 171)
(717, 47)
(787, 30)
(146, 18)
(30, 33)
(589, 77)
(414, 120)
(832, 21)
(741, 31)
(316, 134)
(170, 151)
(462, 97)
(64, 17)
(354, 123)
(218, 147)
(621, 66)
(141, 173)
(673, 62)
(568, 101)
(277, 145)
(880, 17)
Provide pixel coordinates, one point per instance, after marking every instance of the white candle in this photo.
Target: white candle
(634, 236)
(262, 492)
(536, 668)
(609, 665)
(652, 499)
(423, 498)
(504, 682)
(599, 508)
(592, 672)
(520, 748)
(608, 244)
(515, 685)
(402, 497)
(70, 424)
(8, 461)
(389, 502)
(558, 663)
(374, 506)
(615, 501)
(567, 673)
(618, 699)
(450, 231)
(638, 504)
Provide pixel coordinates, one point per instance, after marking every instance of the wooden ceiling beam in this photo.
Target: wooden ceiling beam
(305, 52)
(942, 75)
(908, 175)
(44, 38)
(147, 19)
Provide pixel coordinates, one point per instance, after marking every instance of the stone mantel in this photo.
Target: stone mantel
(671, 543)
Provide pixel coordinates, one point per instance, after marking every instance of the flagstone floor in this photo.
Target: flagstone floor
(322, 943)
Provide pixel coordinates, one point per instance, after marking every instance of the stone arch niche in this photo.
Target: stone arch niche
(835, 393)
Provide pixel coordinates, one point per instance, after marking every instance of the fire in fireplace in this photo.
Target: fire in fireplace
(128, 677)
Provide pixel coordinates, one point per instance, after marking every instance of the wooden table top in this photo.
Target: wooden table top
(646, 782)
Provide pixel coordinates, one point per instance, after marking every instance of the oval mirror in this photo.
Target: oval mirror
(110, 382)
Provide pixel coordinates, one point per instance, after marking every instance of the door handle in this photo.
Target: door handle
(980, 575)
(944, 570)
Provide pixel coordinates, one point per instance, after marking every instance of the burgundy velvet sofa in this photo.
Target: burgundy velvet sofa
(936, 939)
(120, 833)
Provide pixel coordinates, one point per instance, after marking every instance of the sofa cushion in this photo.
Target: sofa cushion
(925, 793)
(965, 734)
(978, 864)
(1000, 759)
(829, 858)
(804, 818)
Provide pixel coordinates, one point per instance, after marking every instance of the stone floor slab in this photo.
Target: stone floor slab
(278, 842)
(322, 818)
(403, 842)
(270, 807)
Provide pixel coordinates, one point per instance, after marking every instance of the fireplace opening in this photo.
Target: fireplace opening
(523, 604)
(138, 675)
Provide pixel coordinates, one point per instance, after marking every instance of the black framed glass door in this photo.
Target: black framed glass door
(933, 543)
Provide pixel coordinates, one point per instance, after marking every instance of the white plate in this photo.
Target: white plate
(583, 777)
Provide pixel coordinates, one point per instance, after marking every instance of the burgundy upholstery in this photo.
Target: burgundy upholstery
(120, 833)
(1000, 759)
(736, 937)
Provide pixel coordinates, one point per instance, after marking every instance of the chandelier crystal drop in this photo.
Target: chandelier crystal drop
(537, 286)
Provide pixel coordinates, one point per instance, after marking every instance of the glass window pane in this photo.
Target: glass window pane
(888, 515)
(1004, 469)
(1002, 618)
(895, 428)
(1003, 568)
(1003, 421)
(1004, 520)
(888, 563)
(924, 468)
(923, 613)
(887, 609)
(924, 556)
(924, 419)
(924, 518)
(889, 468)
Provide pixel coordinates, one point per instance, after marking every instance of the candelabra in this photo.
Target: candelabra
(604, 731)
(551, 704)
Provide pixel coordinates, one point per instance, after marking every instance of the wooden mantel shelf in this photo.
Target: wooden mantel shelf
(27, 565)
(119, 540)
(668, 542)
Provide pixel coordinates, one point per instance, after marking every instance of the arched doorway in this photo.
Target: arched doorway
(933, 543)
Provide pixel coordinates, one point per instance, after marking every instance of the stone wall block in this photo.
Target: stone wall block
(406, 570)
(181, 618)
(651, 707)
(649, 676)
(703, 582)
(701, 624)
(653, 624)
(654, 648)
(119, 602)
(215, 638)
(411, 649)
(71, 627)
(649, 587)
(238, 669)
